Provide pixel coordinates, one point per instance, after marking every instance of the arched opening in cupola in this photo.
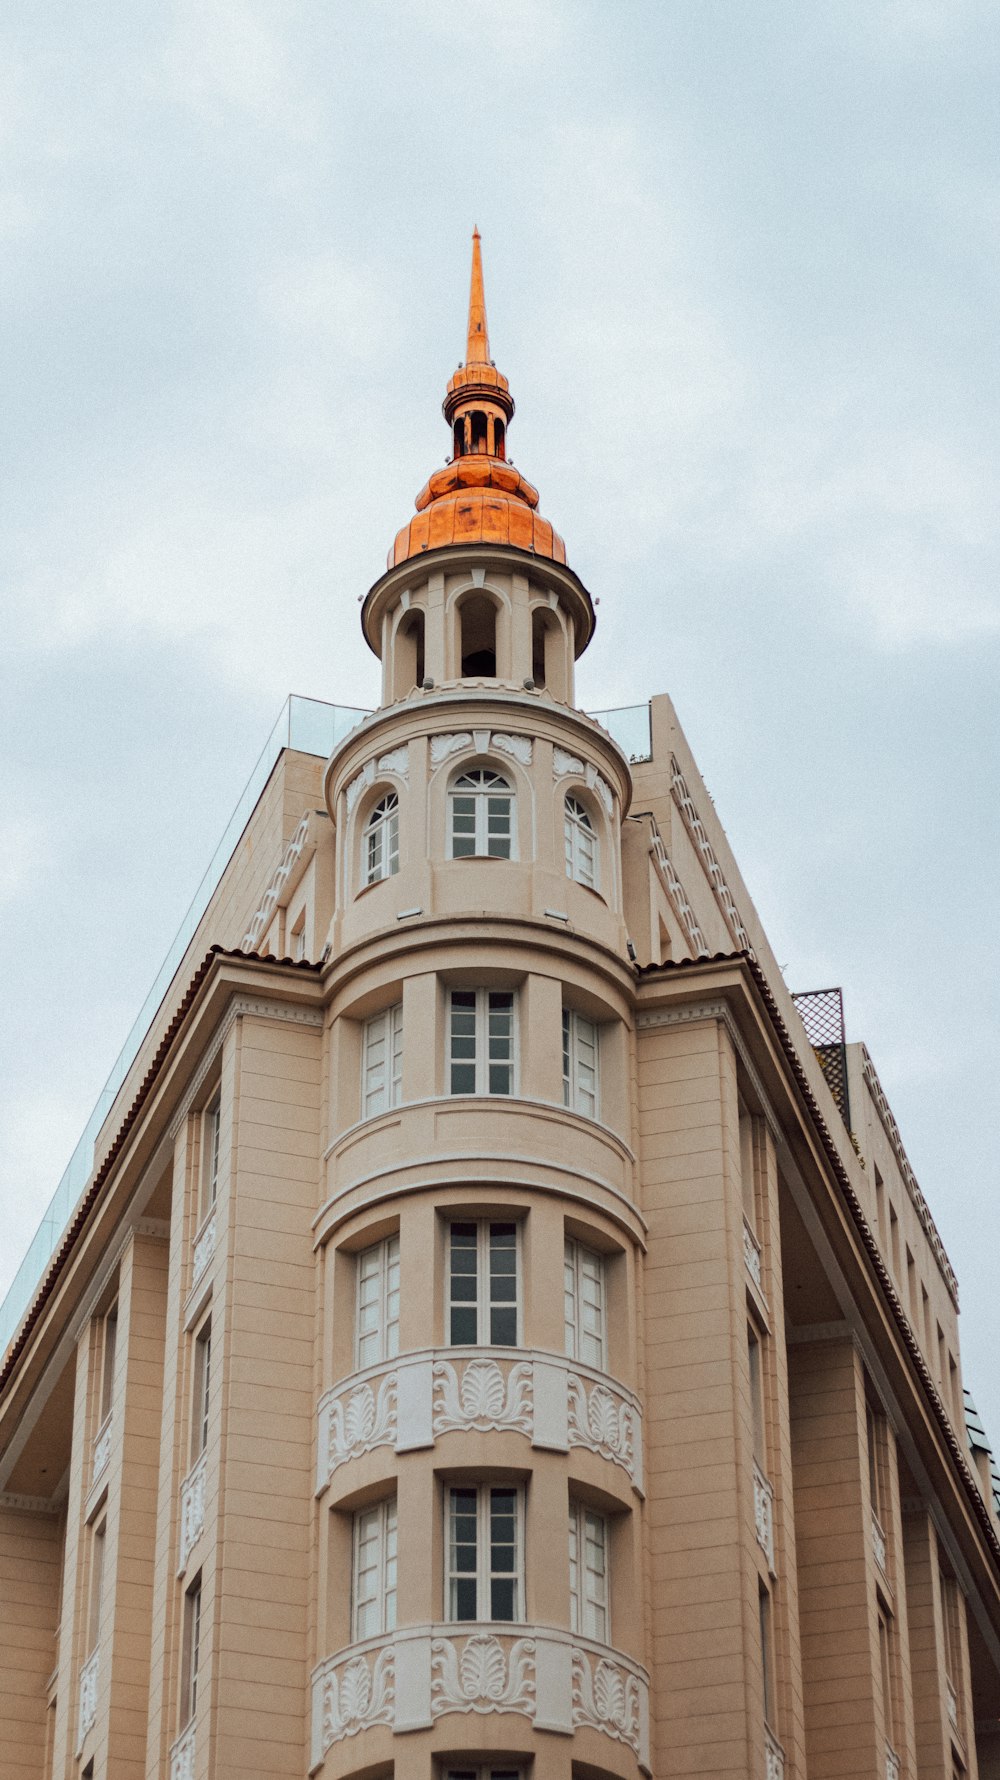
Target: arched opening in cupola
(478, 432)
(548, 652)
(499, 447)
(408, 654)
(478, 618)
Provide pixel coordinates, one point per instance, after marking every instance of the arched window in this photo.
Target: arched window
(408, 653)
(482, 816)
(581, 844)
(382, 840)
(478, 617)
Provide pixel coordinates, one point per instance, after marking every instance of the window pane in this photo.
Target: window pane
(464, 1285)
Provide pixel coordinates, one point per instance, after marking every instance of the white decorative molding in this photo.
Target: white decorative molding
(921, 1207)
(357, 1419)
(607, 1696)
(603, 1420)
(29, 1504)
(482, 1676)
(192, 1509)
(878, 1543)
(703, 847)
(763, 1514)
(517, 746)
(751, 1255)
(182, 1756)
(204, 1249)
(676, 892)
(952, 1703)
(89, 1676)
(774, 1757)
(563, 764)
(365, 777)
(891, 1763)
(102, 1448)
(480, 1398)
(442, 746)
(356, 1694)
(397, 762)
(272, 895)
(604, 792)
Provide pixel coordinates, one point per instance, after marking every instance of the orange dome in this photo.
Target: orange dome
(478, 498)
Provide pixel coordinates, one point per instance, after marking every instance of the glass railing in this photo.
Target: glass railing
(311, 727)
(305, 724)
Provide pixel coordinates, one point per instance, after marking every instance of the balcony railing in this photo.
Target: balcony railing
(182, 1755)
(89, 1677)
(763, 1514)
(416, 1675)
(410, 1402)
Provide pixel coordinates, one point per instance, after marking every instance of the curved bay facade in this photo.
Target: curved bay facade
(494, 1343)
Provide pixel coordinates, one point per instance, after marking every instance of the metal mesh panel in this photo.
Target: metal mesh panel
(822, 1013)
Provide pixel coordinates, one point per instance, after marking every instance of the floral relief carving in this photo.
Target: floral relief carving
(517, 746)
(102, 1450)
(602, 1421)
(563, 763)
(763, 1514)
(88, 1693)
(480, 1398)
(204, 1249)
(483, 1678)
(775, 1757)
(358, 1695)
(182, 1756)
(751, 1255)
(365, 777)
(397, 763)
(606, 1697)
(192, 1508)
(361, 1419)
(444, 745)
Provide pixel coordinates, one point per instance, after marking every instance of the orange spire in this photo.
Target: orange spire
(477, 351)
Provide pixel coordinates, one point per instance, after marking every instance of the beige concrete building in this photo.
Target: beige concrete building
(495, 1340)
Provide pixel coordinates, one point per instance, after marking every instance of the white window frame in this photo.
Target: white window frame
(583, 850)
(484, 1575)
(584, 1269)
(481, 784)
(484, 1302)
(581, 1040)
(201, 1386)
(382, 1070)
(191, 1652)
(377, 1285)
(481, 1061)
(589, 1588)
(376, 1527)
(211, 1133)
(381, 840)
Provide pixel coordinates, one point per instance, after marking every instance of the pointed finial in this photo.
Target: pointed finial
(477, 350)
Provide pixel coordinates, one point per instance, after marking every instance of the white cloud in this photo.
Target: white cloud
(222, 59)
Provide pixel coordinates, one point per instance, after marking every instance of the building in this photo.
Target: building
(500, 1336)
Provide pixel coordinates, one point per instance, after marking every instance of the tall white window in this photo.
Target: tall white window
(482, 1285)
(378, 1302)
(485, 1553)
(584, 1298)
(481, 1036)
(382, 840)
(581, 1050)
(374, 1593)
(581, 843)
(96, 1595)
(482, 816)
(383, 1061)
(191, 1652)
(210, 1131)
(200, 1393)
(588, 1572)
(109, 1348)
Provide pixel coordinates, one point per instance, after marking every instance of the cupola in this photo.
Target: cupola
(479, 496)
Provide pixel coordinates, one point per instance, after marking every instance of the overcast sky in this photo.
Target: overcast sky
(741, 271)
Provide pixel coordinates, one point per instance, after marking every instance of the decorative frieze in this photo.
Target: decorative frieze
(477, 1396)
(272, 895)
(182, 1755)
(677, 893)
(478, 1674)
(355, 1694)
(920, 1205)
(517, 746)
(192, 1516)
(102, 1449)
(204, 1249)
(396, 763)
(763, 1514)
(703, 847)
(878, 1543)
(89, 1676)
(606, 1421)
(608, 1697)
(751, 1255)
(355, 1420)
(774, 1757)
(443, 746)
(563, 764)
